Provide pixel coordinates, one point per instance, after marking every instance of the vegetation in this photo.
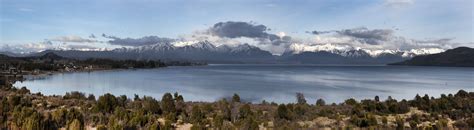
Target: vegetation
(51, 62)
(20, 109)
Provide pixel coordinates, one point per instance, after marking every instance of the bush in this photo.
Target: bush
(75, 125)
(150, 105)
(167, 103)
(470, 122)
(245, 112)
(282, 112)
(320, 102)
(350, 101)
(74, 95)
(107, 103)
(196, 115)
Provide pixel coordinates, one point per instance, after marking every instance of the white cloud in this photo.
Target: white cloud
(73, 38)
(376, 39)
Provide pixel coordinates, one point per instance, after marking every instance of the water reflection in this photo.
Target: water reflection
(255, 83)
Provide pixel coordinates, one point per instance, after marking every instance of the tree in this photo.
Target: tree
(218, 121)
(91, 97)
(149, 104)
(224, 107)
(235, 98)
(167, 103)
(300, 98)
(196, 115)
(136, 97)
(107, 103)
(179, 102)
(320, 102)
(122, 100)
(245, 111)
(351, 102)
(282, 112)
(461, 93)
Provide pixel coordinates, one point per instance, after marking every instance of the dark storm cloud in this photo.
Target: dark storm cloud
(363, 35)
(232, 29)
(147, 40)
(373, 37)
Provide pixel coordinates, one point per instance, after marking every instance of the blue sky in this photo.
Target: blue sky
(30, 21)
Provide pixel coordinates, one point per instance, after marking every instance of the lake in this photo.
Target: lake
(254, 83)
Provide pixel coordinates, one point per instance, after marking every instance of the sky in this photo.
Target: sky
(34, 25)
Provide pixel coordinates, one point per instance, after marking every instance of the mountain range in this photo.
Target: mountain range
(460, 57)
(205, 51)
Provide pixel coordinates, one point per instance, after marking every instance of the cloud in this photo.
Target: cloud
(362, 34)
(27, 48)
(75, 39)
(147, 40)
(92, 36)
(81, 47)
(373, 37)
(233, 29)
(398, 3)
(318, 32)
(376, 39)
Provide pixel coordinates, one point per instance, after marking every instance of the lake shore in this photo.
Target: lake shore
(255, 83)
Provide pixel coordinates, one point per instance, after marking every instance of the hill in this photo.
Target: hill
(457, 57)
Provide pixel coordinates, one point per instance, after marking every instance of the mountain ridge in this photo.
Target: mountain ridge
(457, 57)
(205, 51)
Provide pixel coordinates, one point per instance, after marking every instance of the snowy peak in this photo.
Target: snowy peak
(194, 47)
(204, 45)
(244, 47)
(299, 48)
(348, 51)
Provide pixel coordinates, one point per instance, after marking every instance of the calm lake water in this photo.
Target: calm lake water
(255, 83)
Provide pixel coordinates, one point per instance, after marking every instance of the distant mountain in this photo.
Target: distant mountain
(205, 51)
(461, 57)
(349, 51)
(197, 52)
(51, 56)
(350, 57)
(44, 57)
(6, 53)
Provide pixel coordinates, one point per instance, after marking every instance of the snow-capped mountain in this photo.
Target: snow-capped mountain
(197, 51)
(348, 51)
(205, 51)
